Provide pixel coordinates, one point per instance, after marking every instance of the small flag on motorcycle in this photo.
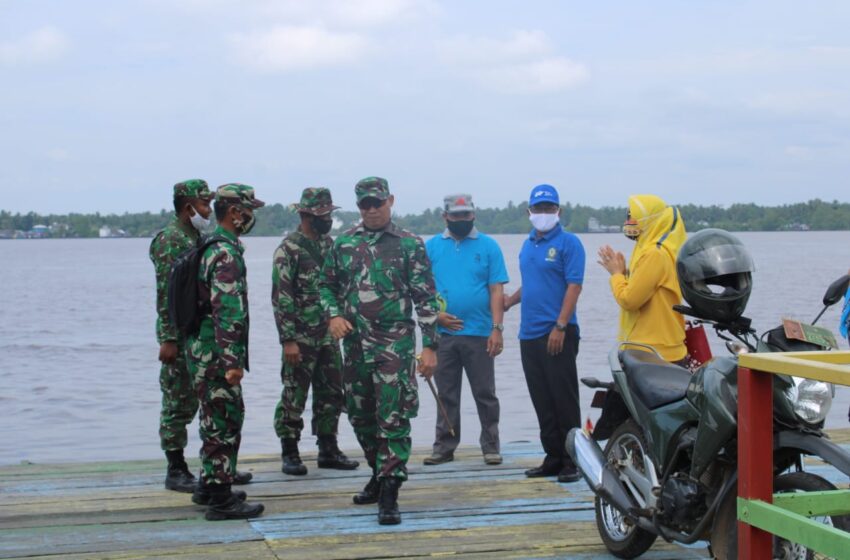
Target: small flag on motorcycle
(699, 351)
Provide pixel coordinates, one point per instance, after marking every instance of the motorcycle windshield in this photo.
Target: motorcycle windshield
(718, 260)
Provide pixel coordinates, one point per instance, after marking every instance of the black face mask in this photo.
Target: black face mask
(461, 228)
(321, 225)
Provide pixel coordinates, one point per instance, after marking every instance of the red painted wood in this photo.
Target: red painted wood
(755, 456)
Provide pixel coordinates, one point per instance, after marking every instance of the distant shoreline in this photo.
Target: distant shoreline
(336, 232)
(814, 215)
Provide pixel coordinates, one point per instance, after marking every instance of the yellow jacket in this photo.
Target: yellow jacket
(648, 292)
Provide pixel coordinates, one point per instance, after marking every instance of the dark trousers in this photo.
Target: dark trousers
(456, 354)
(320, 367)
(553, 386)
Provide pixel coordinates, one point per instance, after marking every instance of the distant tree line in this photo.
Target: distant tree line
(275, 219)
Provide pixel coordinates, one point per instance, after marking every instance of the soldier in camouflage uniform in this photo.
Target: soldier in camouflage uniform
(218, 354)
(373, 277)
(310, 354)
(179, 403)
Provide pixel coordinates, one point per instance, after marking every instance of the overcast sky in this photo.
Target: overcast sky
(105, 105)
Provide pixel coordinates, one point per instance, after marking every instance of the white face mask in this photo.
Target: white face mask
(544, 222)
(199, 222)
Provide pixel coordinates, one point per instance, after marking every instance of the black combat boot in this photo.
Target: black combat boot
(330, 457)
(241, 478)
(291, 459)
(369, 494)
(223, 504)
(178, 477)
(388, 513)
(202, 494)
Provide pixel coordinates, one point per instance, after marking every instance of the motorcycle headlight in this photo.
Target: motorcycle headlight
(811, 399)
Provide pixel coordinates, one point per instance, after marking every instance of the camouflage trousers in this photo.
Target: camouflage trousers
(320, 366)
(179, 403)
(220, 419)
(381, 397)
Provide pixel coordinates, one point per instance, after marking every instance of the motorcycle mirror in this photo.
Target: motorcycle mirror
(736, 347)
(836, 290)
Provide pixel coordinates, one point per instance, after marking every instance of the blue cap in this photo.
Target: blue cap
(543, 193)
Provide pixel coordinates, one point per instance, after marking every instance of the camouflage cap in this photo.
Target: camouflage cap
(458, 203)
(237, 193)
(316, 201)
(374, 187)
(193, 188)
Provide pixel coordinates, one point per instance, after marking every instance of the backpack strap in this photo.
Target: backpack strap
(312, 250)
(204, 243)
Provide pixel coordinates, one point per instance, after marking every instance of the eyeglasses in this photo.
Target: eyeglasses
(371, 202)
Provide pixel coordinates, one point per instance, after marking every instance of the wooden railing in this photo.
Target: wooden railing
(761, 514)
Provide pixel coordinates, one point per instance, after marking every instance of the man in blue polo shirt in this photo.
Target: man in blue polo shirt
(551, 264)
(470, 273)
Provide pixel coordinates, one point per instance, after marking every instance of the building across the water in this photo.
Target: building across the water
(593, 226)
(107, 231)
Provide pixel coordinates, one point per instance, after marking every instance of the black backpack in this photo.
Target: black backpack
(184, 308)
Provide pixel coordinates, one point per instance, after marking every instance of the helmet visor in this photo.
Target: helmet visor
(716, 260)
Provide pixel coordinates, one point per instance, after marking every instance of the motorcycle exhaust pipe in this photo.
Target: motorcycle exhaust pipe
(588, 457)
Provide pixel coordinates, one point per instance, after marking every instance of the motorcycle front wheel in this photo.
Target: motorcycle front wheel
(623, 539)
(724, 543)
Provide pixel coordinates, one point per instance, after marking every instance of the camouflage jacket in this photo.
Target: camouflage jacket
(374, 279)
(298, 313)
(223, 291)
(166, 246)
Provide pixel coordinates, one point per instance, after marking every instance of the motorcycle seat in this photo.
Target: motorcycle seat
(652, 380)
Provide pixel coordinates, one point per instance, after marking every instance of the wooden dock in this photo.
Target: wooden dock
(460, 509)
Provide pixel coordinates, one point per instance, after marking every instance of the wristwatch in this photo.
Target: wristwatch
(499, 327)
(561, 326)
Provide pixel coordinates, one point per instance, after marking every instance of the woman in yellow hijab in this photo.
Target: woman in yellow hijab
(648, 288)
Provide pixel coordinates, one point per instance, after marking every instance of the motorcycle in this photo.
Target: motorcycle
(669, 468)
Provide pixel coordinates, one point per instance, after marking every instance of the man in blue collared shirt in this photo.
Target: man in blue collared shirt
(551, 263)
(470, 272)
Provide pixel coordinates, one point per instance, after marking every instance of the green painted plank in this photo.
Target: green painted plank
(256, 550)
(16, 543)
(545, 540)
(816, 536)
(815, 504)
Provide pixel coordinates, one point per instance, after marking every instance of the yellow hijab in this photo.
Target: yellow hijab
(661, 228)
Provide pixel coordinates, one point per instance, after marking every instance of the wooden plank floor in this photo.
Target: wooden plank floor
(460, 509)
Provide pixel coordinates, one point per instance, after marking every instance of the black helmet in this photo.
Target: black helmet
(715, 275)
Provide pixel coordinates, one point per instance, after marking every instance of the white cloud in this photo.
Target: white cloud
(482, 50)
(524, 63)
(798, 152)
(332, 13)
(752, 61)
(802, 101)
(58, 154)
(41, 46)
(543, 76)
(375, 12)
(286, 48)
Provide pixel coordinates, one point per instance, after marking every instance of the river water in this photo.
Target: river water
(79, 355)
